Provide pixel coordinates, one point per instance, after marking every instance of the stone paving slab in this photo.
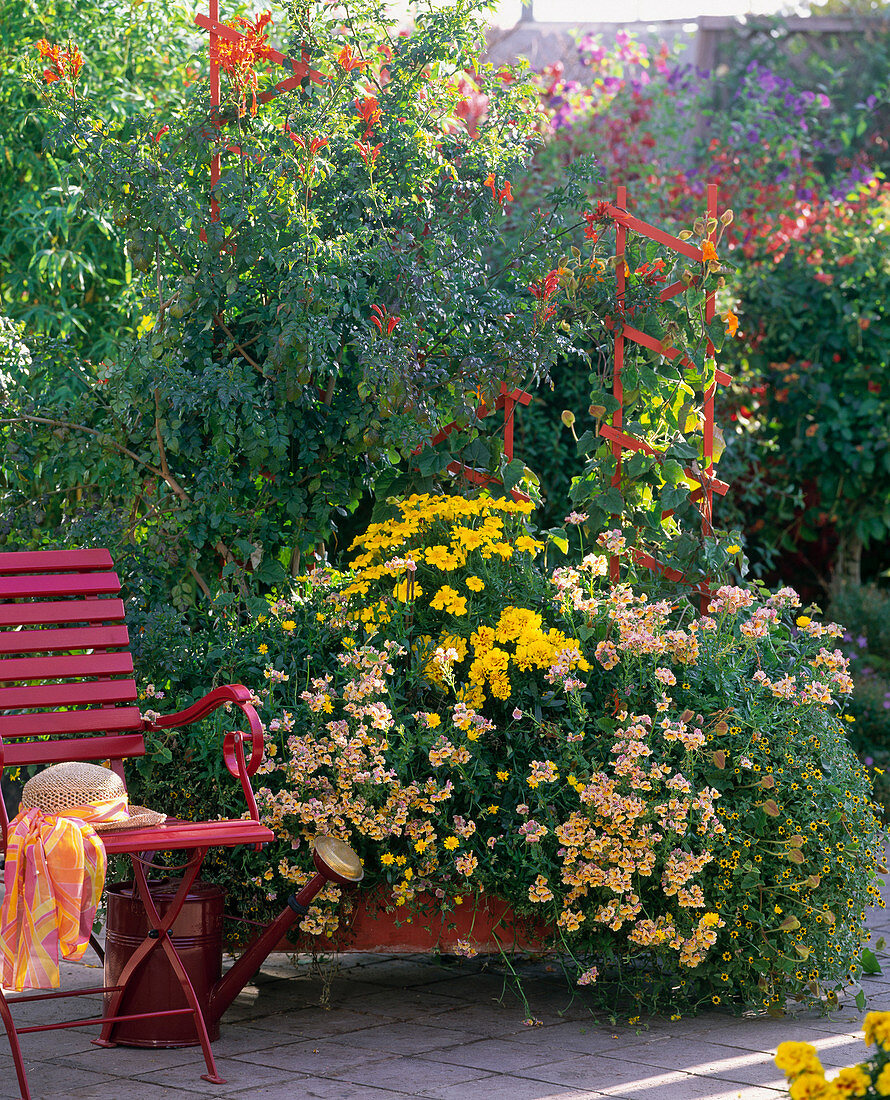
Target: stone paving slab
(382, 1040)
(418, 1027)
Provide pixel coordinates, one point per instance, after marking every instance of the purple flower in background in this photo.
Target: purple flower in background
(593, 52)
(871, 101)
(856, 175)
(862, 641)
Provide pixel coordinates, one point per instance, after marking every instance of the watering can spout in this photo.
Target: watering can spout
(335, 862)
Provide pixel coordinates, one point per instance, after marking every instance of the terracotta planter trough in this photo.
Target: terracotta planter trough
(376, 924)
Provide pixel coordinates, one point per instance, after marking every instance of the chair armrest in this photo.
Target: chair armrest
(233, 745)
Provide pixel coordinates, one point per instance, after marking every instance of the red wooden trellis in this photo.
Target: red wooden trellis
(506, 400)
(300, 70)
(621, 441)
(509, 399)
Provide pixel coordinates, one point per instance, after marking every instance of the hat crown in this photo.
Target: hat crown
(64, 786)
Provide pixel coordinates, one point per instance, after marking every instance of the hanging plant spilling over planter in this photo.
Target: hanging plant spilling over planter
(669, 799)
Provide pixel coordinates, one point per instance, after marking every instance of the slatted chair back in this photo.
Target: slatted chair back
(67, 692)
(66, 674)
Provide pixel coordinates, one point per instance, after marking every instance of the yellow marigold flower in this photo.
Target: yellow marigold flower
(877, 1028)
(803, 620)
(387, 858)
(882, 1081)
(474, 584)
(401, 860)
(852, 1081)
(734, 549)
(262, 649)
(467, 537)
(421, 846)
(438, 556)
(503, 549)
(447, 599)
(796, 1058)
(288, 625)
(408, 873)
(441, 598)
(450, 843)
(406, 590)
(525, 542)
(503, 776)
(433, 721)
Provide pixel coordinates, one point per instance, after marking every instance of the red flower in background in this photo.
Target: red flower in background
(384, 318)
(63, 64)
(238, 59)
(500, 197)
(369, 111)
(652, 273)
(543, 292)
(347, 60)
(368, 153)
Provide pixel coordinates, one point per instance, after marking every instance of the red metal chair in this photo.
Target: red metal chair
(67, 693)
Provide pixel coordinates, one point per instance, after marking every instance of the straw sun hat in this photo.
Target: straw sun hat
(63, 786)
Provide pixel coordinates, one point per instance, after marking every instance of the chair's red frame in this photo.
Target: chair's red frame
(66, 679)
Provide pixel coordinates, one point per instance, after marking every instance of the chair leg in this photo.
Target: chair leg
(13, 1037)
(188, 989)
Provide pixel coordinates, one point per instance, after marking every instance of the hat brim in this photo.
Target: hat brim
(139, 817)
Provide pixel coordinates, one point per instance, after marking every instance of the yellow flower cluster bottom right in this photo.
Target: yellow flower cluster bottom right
(806, 1077)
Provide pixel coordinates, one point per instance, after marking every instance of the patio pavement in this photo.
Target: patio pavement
(412, 1026)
